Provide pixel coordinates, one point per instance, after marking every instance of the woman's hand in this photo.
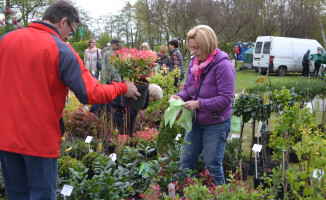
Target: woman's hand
(191, 105)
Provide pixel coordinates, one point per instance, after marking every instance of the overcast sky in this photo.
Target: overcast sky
(97, 8)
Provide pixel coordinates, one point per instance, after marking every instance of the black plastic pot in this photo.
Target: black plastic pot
(245, 169)
(260, 181)
(252, 171)
(140, 102)
(293, 158)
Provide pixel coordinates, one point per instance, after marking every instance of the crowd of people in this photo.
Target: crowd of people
(42, 76)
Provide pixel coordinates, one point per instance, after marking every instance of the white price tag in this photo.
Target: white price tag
(88, 139)
(67, 190)
(113, 156)
(233, 136)
(177, 138)
(318, 173)
(257, 147)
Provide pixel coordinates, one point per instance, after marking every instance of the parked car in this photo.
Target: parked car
(282, 54)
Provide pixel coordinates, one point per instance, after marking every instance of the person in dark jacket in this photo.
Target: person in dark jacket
(317, 67)
(177, 59)
(164, 60)
(123, 114)
(305, 64)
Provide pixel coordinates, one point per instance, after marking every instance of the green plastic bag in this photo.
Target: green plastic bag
(236, 123)
(172, 112)
(186, 120)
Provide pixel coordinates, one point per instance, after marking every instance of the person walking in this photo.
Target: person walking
(317, 67)
(33, 91)
(305, 65)
(208, 91)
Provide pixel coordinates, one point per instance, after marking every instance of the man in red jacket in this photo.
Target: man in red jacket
(37, 68)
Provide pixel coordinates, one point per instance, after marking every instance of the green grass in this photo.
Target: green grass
(245, 79)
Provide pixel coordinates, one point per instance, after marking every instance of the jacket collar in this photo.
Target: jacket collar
(45, 26)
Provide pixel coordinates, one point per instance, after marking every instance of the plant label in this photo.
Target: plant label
(233, 136)
(171, 188)
(178, 136)
(257, 147)
(88, 139)
(66, 190)
(318, 173)
(86, 107)
(113, 157)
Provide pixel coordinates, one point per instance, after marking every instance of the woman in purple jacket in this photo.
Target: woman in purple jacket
(213, 106)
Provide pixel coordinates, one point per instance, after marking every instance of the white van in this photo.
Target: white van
(282, 54)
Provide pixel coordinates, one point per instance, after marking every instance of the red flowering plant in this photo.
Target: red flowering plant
(133, 64)
(145, 137)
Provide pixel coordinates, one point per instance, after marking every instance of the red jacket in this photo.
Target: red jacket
(36, 70)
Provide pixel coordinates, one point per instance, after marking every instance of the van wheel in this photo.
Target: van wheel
(281, 71)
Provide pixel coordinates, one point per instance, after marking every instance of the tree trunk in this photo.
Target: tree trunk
(322, 29)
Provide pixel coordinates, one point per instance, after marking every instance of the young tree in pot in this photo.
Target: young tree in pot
(286, 130)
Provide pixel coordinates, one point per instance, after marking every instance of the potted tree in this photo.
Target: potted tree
(134, 65)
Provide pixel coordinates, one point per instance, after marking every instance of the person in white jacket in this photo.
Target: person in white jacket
(91, 56)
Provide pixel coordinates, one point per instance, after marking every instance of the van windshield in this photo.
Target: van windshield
(267, 46)
(258, 47)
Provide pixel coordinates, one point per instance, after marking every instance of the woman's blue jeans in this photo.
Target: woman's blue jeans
(29, 177)
(211, 139)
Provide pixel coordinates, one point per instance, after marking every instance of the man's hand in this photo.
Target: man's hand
(191, 105)
(132, 90)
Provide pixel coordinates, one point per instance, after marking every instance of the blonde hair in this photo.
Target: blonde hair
(163, 49)
(205, 38)
(145, 45)
(155, 91)
(90, 40)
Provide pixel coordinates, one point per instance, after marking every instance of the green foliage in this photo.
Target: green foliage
(286, 128)
(306, 88)
(130, 163)
(232, 155)
(79, 148)
(80, 47)
(166, 137)
(166, 168)
(89, 162)
(235, 190)
(252, 105)
(197, 191)
(66, 162)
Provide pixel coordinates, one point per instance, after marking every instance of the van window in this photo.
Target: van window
(267, 46)
(321, 50)
(258, 47)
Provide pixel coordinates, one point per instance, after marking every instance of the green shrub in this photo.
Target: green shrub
(64, 163)
(80, 47)
(79, 148)
(166, 137)
(89, 162)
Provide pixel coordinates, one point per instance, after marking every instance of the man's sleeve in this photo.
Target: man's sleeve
(74, 75)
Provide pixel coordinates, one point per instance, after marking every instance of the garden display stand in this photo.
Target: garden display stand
(140, 102)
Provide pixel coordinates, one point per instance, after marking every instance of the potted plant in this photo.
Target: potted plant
(134, 65)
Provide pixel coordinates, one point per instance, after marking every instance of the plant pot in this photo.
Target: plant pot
(245, 169)
(2, 191)
(140, 102)
(252, 169)
(293, 158)
(260, 181)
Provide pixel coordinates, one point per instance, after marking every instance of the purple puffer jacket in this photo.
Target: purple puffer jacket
(217, 91)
